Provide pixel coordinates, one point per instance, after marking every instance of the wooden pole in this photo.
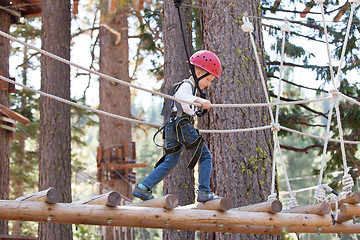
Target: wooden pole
(167, 202)
(274, 206)
(50, 195)
(111, 199)
(74, 214)
(221, 204)
(344, 218)
(337, 228)
(320, 209)
(350, 198)
(350, 209)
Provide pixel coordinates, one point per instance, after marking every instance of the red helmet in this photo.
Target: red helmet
(207, 61)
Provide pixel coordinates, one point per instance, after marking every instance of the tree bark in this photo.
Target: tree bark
(242, 161)
(4, 100)
(55, 132)
(181, 181)
(115, 97)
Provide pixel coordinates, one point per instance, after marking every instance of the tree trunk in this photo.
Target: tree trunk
(4, 100)
(115, 98)
(181, 181)
(242, 161)
(20, 176)
(55, 132)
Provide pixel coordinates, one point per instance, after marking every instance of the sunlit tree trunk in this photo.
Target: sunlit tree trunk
(242, 161)
(55, 134)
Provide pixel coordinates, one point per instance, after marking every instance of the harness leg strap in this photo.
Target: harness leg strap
(168, 151)
(198, 146)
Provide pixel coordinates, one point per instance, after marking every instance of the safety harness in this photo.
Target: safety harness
(197, 144)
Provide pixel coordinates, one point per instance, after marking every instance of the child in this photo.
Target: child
(180, 130)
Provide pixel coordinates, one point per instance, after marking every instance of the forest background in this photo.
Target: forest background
(306, 77)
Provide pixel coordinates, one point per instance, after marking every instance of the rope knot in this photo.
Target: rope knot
(319, 194)
(275, 127)
(290, 203)
(247, 27)
(348, 183)
(272, 197)
(286, 27)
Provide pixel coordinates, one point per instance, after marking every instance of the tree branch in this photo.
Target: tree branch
(298, 85)
(306, 149)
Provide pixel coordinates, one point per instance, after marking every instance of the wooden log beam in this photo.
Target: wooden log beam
(167, 202)
(350, 198)
(221, 204)
(11, 237)
(344, 218)
(337, 228)
(111, 199)
(320, 209)
(350, 209)
(50, 195)
(274, 206)
(14, 115)
(73, 214)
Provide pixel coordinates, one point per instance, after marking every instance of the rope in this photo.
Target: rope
(345, 42)
(347, 180)
(317, 137)
(134, 121)
(94, 72)
(327, 41)
(78, 105)
(268, 104)
(248, 27)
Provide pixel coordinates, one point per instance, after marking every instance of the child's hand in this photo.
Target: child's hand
(205, 104)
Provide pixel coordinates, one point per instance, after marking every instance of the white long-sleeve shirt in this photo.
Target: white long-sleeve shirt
(185, 92)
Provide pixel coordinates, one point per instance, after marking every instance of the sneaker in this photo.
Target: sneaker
(206, 196)
(141, 193)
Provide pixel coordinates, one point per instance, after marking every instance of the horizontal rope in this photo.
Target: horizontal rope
(317, 137)
(237, 130)
(121, 117)
(148, 90)
(79, 105)
(246, 105)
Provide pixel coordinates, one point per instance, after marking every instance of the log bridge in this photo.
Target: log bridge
(164, 213)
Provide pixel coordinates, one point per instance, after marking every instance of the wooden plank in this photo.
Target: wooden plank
(168, 202)
(111, 199)
(270, 207)
(14, 115)
(320, 209)
(337, 228)
(74, 214)
(8, 120)
(7, 127)
(11, 237)
(221, 204)
(350, 209)
(344, 218)
(50, 195)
